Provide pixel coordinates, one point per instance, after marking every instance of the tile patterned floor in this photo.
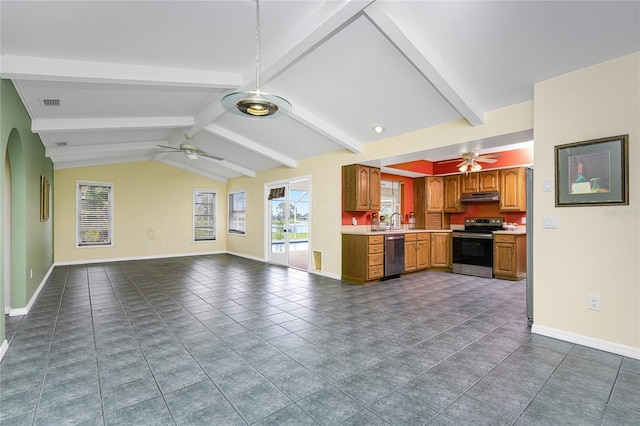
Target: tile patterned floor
(221, 340)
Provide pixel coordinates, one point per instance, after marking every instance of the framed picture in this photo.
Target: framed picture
(45, 190)
(594, 172)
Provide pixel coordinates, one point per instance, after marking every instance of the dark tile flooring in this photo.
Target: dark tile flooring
(222, 340)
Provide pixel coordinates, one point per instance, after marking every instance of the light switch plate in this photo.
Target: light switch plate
(550, 222)
(546, 185)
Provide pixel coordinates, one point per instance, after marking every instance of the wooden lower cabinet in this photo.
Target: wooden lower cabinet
(362, 258)
(441, 250)
(509, 257)
(417, 255)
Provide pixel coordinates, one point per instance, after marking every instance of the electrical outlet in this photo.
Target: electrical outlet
(594, 303)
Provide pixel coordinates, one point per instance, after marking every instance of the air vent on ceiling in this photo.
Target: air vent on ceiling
(48, 102)
(60, 144)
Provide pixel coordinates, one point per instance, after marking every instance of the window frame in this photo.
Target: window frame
(230, 230)
(213, 214)
(398, 199)
(111, 207)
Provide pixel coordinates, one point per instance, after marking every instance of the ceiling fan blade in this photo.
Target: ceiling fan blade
(173, 148)
(204, 154)
(498, 155)
(465, 162)
(485, 160)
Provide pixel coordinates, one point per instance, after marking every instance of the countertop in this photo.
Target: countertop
(366, 230)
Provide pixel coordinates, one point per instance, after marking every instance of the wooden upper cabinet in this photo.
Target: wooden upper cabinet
(512, 190)
(486, 181)
(360, 188)
(428, 197)
(452, 191)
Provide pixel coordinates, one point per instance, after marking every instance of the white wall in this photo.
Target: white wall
(596, 249)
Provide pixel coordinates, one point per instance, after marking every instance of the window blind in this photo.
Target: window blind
(94, 214)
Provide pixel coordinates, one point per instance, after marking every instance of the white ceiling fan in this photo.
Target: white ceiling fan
(470, 161)
(192, 151)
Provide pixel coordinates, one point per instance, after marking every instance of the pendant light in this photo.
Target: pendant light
(254, 103)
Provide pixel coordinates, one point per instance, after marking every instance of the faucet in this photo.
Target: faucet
(391, 220)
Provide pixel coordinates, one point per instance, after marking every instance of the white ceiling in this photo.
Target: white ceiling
(134, 74)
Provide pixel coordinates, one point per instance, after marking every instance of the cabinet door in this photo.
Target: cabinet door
(452, 202)
(423, 254)
(362, 187)
(441, 250)
(488, 181)
(504, 259)
(374, 188)
(410, 256)
(512, 190)
(469, 183)
(435, 194)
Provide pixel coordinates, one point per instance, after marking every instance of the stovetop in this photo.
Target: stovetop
(483, 224)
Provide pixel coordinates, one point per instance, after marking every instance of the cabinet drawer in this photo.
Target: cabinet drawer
(375, 272)
(375, 259)
(376, 248)
(376, 239)
(423, 236)
(501, 238)
(409, 237)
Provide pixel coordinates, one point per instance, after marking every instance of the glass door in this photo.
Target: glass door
(289, 228)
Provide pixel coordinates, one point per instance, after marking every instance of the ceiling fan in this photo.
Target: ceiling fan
(470, 161)
(192, 151)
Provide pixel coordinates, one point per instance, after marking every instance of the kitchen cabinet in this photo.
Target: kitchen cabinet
(486, 181)
(428, 198)
(362, 257)
(441, 250)
(417, 255)
(410, 253)
(509, 256)
(513, 190)
(360, 188)
(452, 193)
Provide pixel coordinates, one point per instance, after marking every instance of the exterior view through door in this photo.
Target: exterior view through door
(289, 230)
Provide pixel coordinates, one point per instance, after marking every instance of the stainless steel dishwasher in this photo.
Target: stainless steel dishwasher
(393, 255)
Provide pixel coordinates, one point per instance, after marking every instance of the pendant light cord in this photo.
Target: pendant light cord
(257, 46)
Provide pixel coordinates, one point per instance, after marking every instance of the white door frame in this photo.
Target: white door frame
(276, 258)
(7, 235)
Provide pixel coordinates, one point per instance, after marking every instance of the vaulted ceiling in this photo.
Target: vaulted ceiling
(131, 75)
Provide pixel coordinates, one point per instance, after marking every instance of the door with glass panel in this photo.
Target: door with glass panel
(289, 223)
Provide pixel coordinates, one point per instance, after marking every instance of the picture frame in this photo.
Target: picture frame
(593, 172)
(45, 190)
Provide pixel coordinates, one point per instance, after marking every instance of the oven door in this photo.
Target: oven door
(473, 254)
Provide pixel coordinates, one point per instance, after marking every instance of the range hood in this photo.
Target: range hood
(477, 197)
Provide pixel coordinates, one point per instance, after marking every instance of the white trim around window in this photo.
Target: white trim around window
(204, 215)
(237, 218)
(94, 214)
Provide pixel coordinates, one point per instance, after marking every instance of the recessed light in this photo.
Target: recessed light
(378, 129)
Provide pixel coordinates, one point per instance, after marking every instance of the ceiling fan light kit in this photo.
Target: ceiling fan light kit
(254, 103)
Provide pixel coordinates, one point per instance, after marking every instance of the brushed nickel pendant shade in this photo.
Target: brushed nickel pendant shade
(254, 103)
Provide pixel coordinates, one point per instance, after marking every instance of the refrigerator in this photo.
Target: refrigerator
(529, 228)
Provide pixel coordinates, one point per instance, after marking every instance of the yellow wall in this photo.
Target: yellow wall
(326, 187)
(146, 194)
(595, 250)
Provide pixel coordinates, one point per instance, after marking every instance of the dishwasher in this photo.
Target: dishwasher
(393, 255)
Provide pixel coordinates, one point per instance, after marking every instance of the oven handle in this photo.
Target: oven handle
(473, 236)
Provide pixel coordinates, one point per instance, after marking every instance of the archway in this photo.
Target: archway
(15, 250)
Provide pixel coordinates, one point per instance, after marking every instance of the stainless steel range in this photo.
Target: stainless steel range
(473, 247)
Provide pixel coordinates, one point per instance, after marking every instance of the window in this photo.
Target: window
(237, 214)
(204, 215)
(390, 198)
(95, 214)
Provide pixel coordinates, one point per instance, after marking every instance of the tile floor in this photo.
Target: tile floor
(221, 340)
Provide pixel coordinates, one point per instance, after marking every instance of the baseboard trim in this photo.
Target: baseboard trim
(126, 259)
(4, 348)
(24, 311)
(324, 274)
(604, 345)
(246, 256)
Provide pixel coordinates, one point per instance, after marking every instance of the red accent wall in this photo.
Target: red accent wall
(516, 157)
(490, 209)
